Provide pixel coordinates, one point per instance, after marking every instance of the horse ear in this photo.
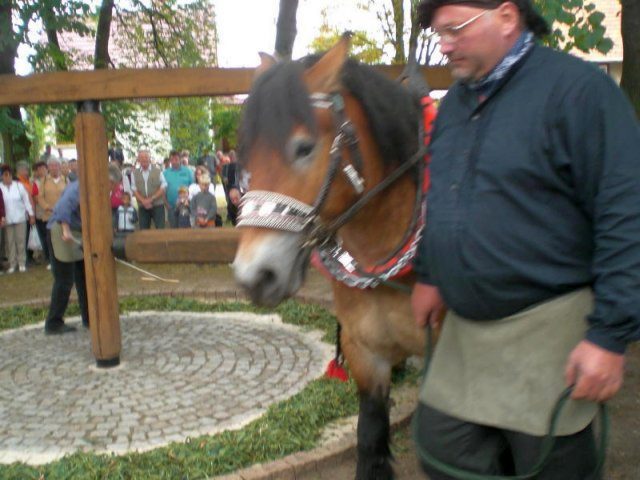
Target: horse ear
(414, 81)
(266, 62)
(324, 75)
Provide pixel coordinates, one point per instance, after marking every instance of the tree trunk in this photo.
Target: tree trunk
(50, 28)
(286, 29)
(398, 21)
(630, 82)
(14, 139)
(7, 57)
(103, 32)
(414, 33)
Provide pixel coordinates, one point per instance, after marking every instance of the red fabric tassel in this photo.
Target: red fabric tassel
(337, 371)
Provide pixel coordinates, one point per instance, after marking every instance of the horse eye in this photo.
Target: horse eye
(304, 149)
(301, 148)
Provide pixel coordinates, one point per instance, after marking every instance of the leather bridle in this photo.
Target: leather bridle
(281, 212)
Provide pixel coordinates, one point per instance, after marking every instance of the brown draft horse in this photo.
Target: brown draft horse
(316, 136)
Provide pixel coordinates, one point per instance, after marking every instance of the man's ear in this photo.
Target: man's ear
(510, 18)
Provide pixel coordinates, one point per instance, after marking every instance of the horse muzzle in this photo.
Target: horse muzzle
(270, 266)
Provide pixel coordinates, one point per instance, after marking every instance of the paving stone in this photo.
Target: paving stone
(183, 374)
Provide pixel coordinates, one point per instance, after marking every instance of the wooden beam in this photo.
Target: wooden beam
(177, 245)
(97, 238)
(64, 87)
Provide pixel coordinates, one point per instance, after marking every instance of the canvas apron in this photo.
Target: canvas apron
(508, 373)
(65, 251)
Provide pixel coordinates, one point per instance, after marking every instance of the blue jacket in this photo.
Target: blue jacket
(536, 192)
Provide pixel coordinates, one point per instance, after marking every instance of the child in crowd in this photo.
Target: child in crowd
(183, 210)
(125, 217)
(204, 204)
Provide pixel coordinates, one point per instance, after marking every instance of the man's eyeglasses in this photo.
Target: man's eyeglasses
(450, 34)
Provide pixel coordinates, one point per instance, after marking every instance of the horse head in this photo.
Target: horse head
(311, 150)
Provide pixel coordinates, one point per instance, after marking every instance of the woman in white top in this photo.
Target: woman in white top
(17, 207)
(194, 188)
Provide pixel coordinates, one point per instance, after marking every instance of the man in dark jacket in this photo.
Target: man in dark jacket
(532, 242)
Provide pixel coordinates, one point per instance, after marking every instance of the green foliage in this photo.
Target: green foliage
(575, 24)
(172, 33)
(65, 115)
(35, 132)
(9, 124)
(225, 119)
(61, 114)
(15, 143)
(121, 116)
(189, 124)
(47, 58)
(57, 15)
(362, 47)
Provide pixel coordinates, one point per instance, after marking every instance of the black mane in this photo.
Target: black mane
(279, 99)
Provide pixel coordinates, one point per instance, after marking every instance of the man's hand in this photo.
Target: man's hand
(67, 236)
(147, 203)
(427, 305)
(32, 220)
(597, 373)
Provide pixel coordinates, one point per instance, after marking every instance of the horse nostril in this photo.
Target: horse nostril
(266, 277)
(262, 288)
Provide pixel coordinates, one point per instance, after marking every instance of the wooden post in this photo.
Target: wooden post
(97, 234)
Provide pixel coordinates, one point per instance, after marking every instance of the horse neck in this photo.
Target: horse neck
(376, 231)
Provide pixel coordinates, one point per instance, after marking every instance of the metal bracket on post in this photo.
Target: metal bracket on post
(88, 106)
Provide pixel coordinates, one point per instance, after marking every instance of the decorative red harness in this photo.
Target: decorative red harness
(339, 265)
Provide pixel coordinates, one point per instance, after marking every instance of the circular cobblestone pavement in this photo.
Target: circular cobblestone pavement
(182, 375)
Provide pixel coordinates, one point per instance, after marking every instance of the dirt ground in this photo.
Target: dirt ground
(623, 456)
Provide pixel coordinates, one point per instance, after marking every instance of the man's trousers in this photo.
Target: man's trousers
(494, 451)
(154, 213)
(65, 274)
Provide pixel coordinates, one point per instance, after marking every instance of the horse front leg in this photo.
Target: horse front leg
(373, 376)
(374, 454)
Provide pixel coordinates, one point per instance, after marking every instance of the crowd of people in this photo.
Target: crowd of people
(168, 194)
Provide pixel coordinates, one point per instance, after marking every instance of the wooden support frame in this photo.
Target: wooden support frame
(97, 235)
(153, 83)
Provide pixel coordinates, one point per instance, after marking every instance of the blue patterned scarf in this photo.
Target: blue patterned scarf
(485, 86)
